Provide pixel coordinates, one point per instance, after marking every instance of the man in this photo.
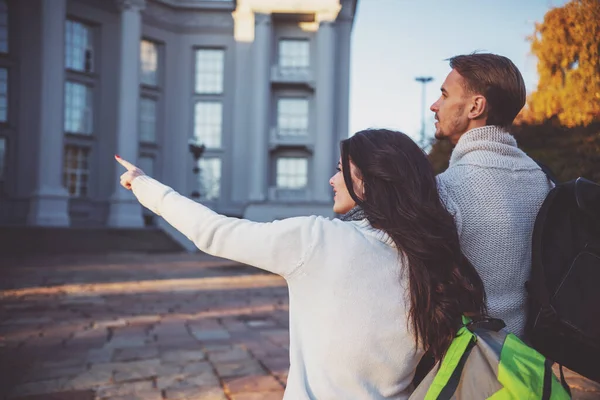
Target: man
(494, 189)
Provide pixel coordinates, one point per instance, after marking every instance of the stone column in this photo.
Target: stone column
(49, 202)
(260, 105)
(125, 211)
(242, 159)
(323, 157)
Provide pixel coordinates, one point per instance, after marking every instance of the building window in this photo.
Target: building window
(294, 53)
(3, 26)
(78, 47)
(210, 178)
(292, 117)
(209, 71)
(78, 108)
(149, 63)
(2, 157)
(147, 120)
(292, 172)
(3, 94)
(76, 170)
(208, 122)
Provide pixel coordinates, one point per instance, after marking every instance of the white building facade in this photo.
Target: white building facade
(263, 85)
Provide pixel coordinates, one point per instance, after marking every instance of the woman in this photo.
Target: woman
(369, 292)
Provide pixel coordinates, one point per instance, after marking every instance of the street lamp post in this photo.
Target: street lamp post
(424, 81)
(197, 149)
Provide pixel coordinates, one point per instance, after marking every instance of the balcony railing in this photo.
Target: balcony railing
(293, 75)
(290, 137)
(288, 195)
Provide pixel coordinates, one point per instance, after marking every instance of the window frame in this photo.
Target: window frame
(66, 171)
(289, 131)
(92, 47)
(284, 156)
(221, 75)
(293, 65)
(159, 64)
(89, 79)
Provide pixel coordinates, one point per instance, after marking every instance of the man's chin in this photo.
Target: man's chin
(440, 136)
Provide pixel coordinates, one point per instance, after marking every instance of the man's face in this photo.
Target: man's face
(452, 109)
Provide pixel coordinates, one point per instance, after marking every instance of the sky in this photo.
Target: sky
(394, 41)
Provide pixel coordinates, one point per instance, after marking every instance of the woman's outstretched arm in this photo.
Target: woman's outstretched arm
(278, 247)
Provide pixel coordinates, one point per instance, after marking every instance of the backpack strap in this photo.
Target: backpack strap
(547, 171)
(563, 381)
(537, 284)
(448, 376)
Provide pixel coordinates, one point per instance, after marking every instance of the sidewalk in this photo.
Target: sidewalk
(147, 327)
(132, 327)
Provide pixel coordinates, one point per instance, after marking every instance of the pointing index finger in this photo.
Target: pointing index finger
(129, 166)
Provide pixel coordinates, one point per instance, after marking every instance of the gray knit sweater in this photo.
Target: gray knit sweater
(495, 191)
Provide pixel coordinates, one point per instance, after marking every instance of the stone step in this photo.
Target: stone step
(46, 240)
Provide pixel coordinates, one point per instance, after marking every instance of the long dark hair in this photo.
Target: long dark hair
(401, 198)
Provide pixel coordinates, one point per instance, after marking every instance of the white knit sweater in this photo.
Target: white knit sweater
(495, 191)
(349, 337)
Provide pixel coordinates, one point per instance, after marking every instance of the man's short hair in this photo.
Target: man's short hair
(498, 80)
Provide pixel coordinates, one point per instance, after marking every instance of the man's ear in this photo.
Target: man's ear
(478, 107)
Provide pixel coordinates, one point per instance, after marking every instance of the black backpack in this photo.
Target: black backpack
(564, 288)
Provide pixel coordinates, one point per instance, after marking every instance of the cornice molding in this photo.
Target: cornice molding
(130, 4)
(190, 21)
(199, 4)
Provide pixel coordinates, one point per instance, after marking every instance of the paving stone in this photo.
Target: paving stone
(206, 335)
(231, 369)
(197, 367)
(276, 364)
(153, 394)
(214, 347)
(124, 389)
(89, 379)
(169, 369)
(99, 356)
(278, 395)
(234, 354)
(204, 379)
(182, 356)
(252, 383)
(164, 381)
(136, 370)
(195, 393)
(124, 341)
(135, 353)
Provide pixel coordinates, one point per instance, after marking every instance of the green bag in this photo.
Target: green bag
(486, 362)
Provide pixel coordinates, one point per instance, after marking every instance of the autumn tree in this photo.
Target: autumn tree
(567, 46)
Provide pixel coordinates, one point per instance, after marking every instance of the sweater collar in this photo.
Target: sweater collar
(365, 226)
(490, 138)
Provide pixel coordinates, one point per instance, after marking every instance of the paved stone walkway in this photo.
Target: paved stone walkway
(147, 327)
